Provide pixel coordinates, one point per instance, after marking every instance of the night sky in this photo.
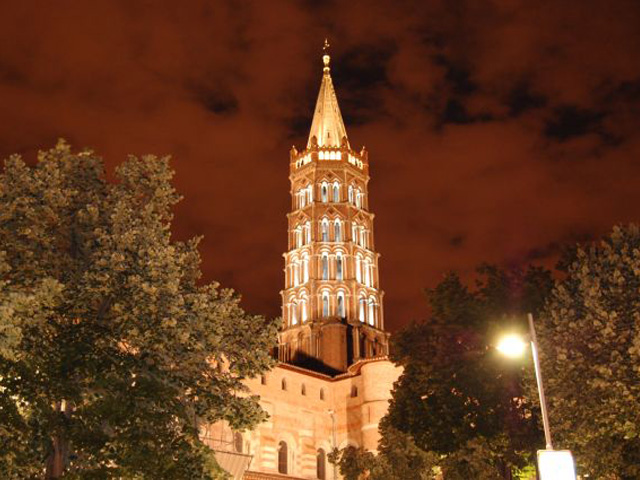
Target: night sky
(497, 130)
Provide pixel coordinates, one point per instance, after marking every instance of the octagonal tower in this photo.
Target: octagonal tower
(332, 301)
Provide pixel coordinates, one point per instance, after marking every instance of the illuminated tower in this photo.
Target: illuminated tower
(332, 302)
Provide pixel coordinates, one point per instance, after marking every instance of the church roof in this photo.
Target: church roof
(327, 125)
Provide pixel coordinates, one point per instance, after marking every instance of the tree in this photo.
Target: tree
(457, 398)
(111, 352)
(398, 458)
(590, 352)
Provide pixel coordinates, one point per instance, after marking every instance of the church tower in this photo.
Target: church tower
(332, 385)
(332, 301)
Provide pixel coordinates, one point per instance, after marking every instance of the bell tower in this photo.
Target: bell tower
(332, 302)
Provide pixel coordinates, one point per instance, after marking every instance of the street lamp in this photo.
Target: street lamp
(552, 464)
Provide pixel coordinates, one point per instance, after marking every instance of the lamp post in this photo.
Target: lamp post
(552, 464)
(332, 413)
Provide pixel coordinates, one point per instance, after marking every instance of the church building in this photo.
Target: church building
(332, 384)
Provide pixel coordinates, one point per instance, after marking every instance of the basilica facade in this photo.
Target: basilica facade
(332, 384)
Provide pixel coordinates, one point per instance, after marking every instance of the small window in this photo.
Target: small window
(282, 458)
(341, 312)
(325, 266)
(339, 267)
(337, 234)
(303, 389)
(284, 384)
(305, 269)
(324, 193)
(237, 442)
(322, 394)
(307, 232)
(336, 192)
(372, 310)
(325, 304)
(263, 379)
(294, 314)
(354, 391)
(325, 230)
(321, 462)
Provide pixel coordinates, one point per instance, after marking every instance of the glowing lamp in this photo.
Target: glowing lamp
(512, 346)
(556, 465)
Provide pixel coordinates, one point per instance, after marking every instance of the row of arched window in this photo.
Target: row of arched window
(303, 388)
(334, 304)
(330, 231)
(329, 192)
(331, 267)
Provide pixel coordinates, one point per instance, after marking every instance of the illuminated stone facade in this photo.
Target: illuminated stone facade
(333, 381)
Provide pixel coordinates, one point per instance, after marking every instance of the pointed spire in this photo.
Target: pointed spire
(327, 126)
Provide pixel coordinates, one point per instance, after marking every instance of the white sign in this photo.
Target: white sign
(556, 465)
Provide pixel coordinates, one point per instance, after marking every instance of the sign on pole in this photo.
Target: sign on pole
(556, 465)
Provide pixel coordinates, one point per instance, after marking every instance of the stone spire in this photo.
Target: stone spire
(327, 126)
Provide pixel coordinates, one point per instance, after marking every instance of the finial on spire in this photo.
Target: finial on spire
(326, 58)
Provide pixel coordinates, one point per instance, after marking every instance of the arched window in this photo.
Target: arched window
(325, 304)
(336, 192)
(284, 384)
(324, 192)
(298, 236)
(282, 458)
(324, 229)
(305, 268)
(325, 266)
(337, 226)
(303, 389)
(362, 311)
(296, 277)
(307, 233)
(237, 442)
(358, 199)
(367, 273)
(372, 307)
(322, 394)
(321, 461)
(294, 313)
(302, 198)
(351, 194)
(354, 391)
(354, 233)
(339, 267)
(359, 268)
(341, 312)
(303, 310)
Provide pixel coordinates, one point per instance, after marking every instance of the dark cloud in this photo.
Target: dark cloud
(498, 130)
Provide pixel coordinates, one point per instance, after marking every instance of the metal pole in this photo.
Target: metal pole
(333, 439)
(543, 402)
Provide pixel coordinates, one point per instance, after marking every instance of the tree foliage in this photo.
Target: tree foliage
(590, 353)
(457, 398)
(398, 458)
(111, 352)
